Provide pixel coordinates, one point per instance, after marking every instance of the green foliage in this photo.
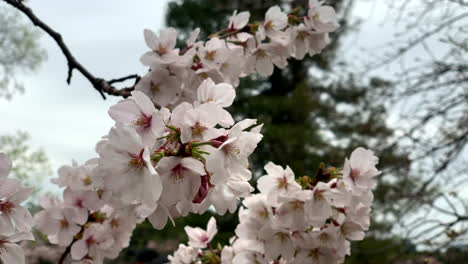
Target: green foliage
(377, 251)
(20, 50)
(454, 255)
(169, 238)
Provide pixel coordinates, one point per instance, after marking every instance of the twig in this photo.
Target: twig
(65, 254)
(68, 249)
(102, 86)
(413, 43)
(123, 79)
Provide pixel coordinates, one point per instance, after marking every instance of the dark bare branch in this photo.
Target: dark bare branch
(102, 86)
(123, 79)
(413, 43)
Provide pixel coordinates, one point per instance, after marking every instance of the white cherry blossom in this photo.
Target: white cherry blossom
(161, 86)
(278, 182)
(199, 238)
(162, 47)
(321, 18)
(95, 241)
(60, 224)
(360, 169)
(140, 113)
(176, 150)
(13, 216)
(181, 178)
(10, 251)
(239, 20)
(125, 161)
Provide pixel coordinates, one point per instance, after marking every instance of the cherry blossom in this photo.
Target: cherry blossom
(360, 169)
(238, 20)
(13, 216)
(175, 149)
(10, 251)
(275, 21)
(183, 255)
(58, 223)
(294, 222)
(76, 177)
(199, 238)
(214, 53)
(162, 47)
(15, 220)
(96, 241)
(125, 162)
(321, 18)
(140, 113)
(162, 87)
(180, 178)
(280, 182)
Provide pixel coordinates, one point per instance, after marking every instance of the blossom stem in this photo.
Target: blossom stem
(65, 253)
(102, 86)
(68, 249)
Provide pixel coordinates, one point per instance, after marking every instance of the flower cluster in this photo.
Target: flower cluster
(199, 240)
(168, 164)
(239, 50)
(88, 219)
(15, 220)
(174, 148)
(295, 221)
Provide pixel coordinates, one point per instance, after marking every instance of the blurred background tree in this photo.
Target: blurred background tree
(428, 56)
(30, 166)
(21, 51)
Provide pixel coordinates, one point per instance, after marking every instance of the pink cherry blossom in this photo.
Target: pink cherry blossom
(13, 216)
(321, 18)
(214, 53)
(162, 47)
(59, 224)
(161, 86)
(124, 160)
(199, 238)
(275, 21)
(181, 178)
(279, 182)
(95, 241)
(360, 169)
(10, 251)
(265, 56)
(139, 112)
(76, 177)
(238, 20)
(175, 149)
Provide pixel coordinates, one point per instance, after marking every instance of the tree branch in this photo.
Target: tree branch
(414, 42)
(123, 79)
(65, 254)
(102, 86)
